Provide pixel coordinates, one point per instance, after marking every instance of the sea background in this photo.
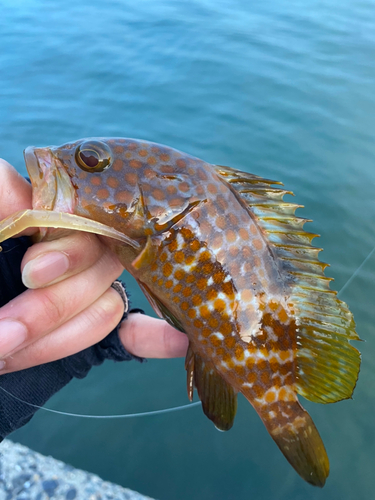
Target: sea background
(282, 89)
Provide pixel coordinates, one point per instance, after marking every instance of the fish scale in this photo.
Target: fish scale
(223, 258)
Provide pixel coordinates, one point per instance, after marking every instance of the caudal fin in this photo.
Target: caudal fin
(295, 434)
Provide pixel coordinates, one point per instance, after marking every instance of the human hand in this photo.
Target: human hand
(69, 305)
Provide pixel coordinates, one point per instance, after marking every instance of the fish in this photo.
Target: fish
(221, 257)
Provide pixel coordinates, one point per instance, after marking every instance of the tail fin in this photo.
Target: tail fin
(295, 434)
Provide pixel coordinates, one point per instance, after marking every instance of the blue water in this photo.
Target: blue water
(283, 89)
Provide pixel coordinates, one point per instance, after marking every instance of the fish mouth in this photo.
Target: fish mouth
(52, 186)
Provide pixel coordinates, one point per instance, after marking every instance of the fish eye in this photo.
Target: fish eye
(93, 156)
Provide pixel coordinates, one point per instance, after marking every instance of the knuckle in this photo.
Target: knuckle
(53, 306)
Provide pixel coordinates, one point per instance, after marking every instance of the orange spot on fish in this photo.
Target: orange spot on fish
(168, 284)
(181, 163)
(201, 283)
(202, 174)
(192, 313)
(253, 229)
(198, 323)
(183, 186)
(149, 173)
(284, 355)
(217, 242)
(243, 234)
(158, 194)
(189, 259)
(240, 370)
(172, 190)
(151, 160)
(200, 190)
(165, 157)
(179, 274)
(179, 256)
(177, 288)
(143, 152)
(212, 188)
(270, 397)
(205, 312)
(230, 342)
(219, 277)
(227, 288)
(252, 376)
(239, 353)
(283, 316)
(221, 222)
(102, 194)
(135, 164)
(194, 245)
(219, 305)
(123, 197)
(87, 190)
(213, 322)
(96, 180)
(167, 269)
(186, 292)
(196, 300)
(208, 268)
(211, 294)
(230, 236)
(118, 150)
(112, 182)
(226, 328)
(215, 341)
(184, 306)
(221, 203)
(175, 202)
(118, 165)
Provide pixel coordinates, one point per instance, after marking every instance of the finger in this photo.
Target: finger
(152, 338)
(52, 261)
(15, 192)
(84, 330)
(36, 313)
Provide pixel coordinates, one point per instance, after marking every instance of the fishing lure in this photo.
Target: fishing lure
(221, 257)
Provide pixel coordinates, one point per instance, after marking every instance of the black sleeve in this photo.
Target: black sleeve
(36, 385)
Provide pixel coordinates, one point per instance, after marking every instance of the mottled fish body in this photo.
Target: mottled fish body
(223, 258)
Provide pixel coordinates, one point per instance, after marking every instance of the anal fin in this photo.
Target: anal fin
(219, 399)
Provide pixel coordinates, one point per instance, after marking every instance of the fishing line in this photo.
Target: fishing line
(126, 415)
(165, 410)
(356, 272)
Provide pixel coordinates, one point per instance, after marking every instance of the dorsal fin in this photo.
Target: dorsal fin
(327, 365)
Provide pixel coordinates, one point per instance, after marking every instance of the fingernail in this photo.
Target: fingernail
(2, 365)
(44, 269)
(12, 334)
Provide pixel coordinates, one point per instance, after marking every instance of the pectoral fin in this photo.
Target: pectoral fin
(219, 399)
(161, 310)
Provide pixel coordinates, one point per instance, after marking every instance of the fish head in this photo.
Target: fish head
(136, 187)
